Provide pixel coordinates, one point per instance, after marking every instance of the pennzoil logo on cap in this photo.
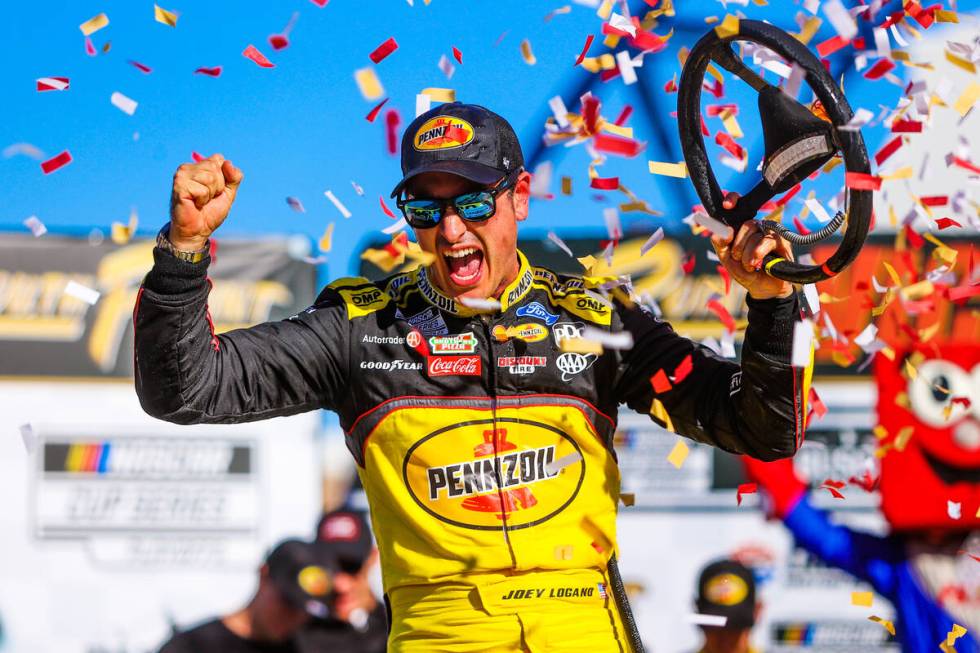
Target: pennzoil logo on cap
(726, 589)
(313, 580)
(442, 133)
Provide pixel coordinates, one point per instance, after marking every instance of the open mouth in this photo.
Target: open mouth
(465, 265)
(949, 474)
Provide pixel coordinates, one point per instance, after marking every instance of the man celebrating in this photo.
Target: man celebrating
(474, 402)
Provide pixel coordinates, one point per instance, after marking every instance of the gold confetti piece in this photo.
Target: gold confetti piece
(892, 274)
(628, 498)
(903, 436)
(564, 552)
(731, 124)
(951, 637)
(967, 99)
(122, 233)
(625, 132)
(962, 63)
(658, 411)
(910, 370)
(728, 27)
(809, 29)
(887, 625)
(368, 83)
(760, 3)
(605, 9)
(945, 255)
(901, 173)
(580, 346)
(94, 24)
(917, 290)
(710, 20)
(946, 16)
(830, 165)
(163, 16)
(678, 169)
(925, 335)
(440, 94)
(566, 185)
(611, 40)
(862, 599)
(326, 241)
(679, 453)
(527, 54)
(587, 262)
(880, 432)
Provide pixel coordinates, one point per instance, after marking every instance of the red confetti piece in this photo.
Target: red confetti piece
(683, 369)
(906, 126)
(251, 52)
(817, 406)
(935, 200)
(724, 274)
(90, 47)
(615, 145)
(383, 50)
(590, 113)
(866, 482)
(977, 558)
(458, 55)
(660, 382)
(914, 238)
(834, 484)
(624, 115)
(398, 245)
(605, 183)
(688, 263)
(384, 207)
(53, 84)
(727, 142)
(745, 488)
(373, 113)
(278, 42)
(789, 195)
(197, 157)
(962, 401)
(726, 318)
(862, 181)
(704, 128)
(831, 45)
(717, 89)
(143, 68)
(320, 3)
(890, 148)
(210, 72)
(963, 293)
(799, 226)
(833, 491)
(878, 70)
(670, 86)
(963, 163)
(715, 110)
(393, 121)
(55, 162)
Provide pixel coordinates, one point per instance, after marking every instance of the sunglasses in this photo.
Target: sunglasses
(423, 213)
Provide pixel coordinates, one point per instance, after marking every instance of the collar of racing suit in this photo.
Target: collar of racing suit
(513, 293)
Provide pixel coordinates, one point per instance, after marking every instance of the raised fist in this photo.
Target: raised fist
(201, 198)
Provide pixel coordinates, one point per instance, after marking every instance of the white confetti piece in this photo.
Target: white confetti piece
(954, 509)
(541, 179)
(446, 66)
(625, 64)
(623, 24)
(727, 344)
(53, 83)
(123, 103)
(398, 226)
(29, 437)
(336, 202)
(707, 620)
(882, 44)
(559, 110)
(614, 228)
(712, 225)
(422, 104)
(860, 118)
(26, 149)
(795, 80)
(556, 466)
(812, 296)
(553, 237)
(812, 6)
(84, 293)
(618, 340)
(839, 17)
(655, 238)
(817, 209)
(486, 305)
(802, 343)
(315, 260)
(357, 188)
(36, 226)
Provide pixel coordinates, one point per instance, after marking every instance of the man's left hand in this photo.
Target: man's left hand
(742, 257)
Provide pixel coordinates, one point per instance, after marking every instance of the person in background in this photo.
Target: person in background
(357, 621)
(294, 585)
(726, 588)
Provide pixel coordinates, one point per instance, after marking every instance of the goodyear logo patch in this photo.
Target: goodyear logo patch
(441, 133)
(481, 474)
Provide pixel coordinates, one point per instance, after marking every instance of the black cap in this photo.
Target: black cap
(726, 588)
(463, 139)
(301, 572)
(346, 536)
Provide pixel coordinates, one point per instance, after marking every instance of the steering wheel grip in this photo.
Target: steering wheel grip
(850, 143)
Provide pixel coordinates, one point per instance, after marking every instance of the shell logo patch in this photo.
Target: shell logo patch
(726, 589)
(477, 474)
(442, 133)
(313, 580)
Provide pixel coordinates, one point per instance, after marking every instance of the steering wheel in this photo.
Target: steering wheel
(797, 143)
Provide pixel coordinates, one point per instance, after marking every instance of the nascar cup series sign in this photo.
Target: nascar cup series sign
(476, 473)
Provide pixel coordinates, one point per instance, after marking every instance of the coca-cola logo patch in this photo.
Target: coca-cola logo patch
(455, 366)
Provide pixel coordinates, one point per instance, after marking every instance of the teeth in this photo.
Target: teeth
(460, 253)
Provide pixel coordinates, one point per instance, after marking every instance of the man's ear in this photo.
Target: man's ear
(522, 195)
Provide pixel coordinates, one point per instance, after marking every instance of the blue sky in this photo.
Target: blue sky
(299, 129)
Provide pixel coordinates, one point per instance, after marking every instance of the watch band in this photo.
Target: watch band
(163, 242)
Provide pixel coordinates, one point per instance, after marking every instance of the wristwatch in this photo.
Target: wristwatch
(163, 242)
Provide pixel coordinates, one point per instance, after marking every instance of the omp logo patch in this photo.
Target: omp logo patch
(366, 297)
(474, 475)
(363, 302)
(441, 133)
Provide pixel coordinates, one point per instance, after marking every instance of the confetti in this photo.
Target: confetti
(373, 113)
(967, 99)
(161, 15)
(89, 47)
(713, 226)
(715, 620)
(123, 103)
(951, 637)
(393, 121)
(123, 233)
(556, 466)
(210, 72)
(803, 338)
(887, 150)
(82, 292)
(678, 169)
(440, 94)
(326, 240)
(954, 509)
(946, 223)
(625, 64)
(26, 149)
(585, 49)
(29, 437)
(36, 226)
(337, 203)
(861, 181)
(887, 625)
(659, 414)
(527, 54)
(368, 83)
(678, 454)
(295, 204)
(607, 183)
(481, 305)
(718, 309)
(383, 50)
(728, 27)
(881, 67)
(745, 488)
(458, 55)
(862, 599)
(654, 238)
(94, 24)
(628, 498)
(831, 45)
(52, 84)
(251, 52)
(55, 162)
(146, 70)
(842, 21)
(446, 66)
